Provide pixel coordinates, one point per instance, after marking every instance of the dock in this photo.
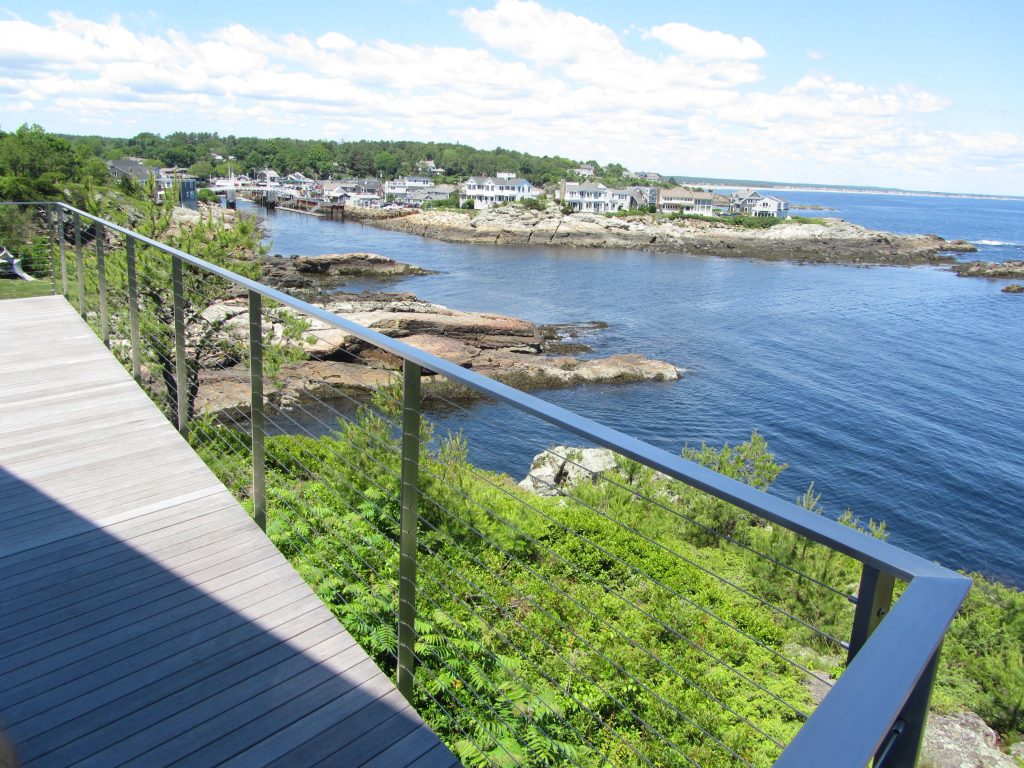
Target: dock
(145, 619)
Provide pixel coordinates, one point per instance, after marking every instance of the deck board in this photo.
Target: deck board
(147, 620)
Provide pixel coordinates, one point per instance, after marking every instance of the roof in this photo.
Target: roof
(484, 180)
(132, 168)
(678, 192)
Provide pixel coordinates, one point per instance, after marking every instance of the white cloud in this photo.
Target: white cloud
(538, 34)
(537, 79)
(705, 45)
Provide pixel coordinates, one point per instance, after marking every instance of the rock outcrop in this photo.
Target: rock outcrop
(563, 467)
(310, 276)
(962, 741)
(504, 348)
(830, 241)
(1004, 269)
(1013, 288)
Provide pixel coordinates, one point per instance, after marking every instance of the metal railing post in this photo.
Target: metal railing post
(51, 231)
(259, 487)
(133, 309)
(874, 598)
(63, 255)
(180, 362)
(101, 283)
(903, 746)
(410, 513)
(80, 267)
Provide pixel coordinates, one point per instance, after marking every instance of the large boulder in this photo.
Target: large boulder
(962, 740)
(563, 467)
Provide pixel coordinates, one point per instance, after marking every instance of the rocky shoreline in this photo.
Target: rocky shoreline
(832, 241)
(1005, 270)
(311, 277)
(514, 351)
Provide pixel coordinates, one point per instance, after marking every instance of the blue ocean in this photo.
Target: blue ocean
(896, 391)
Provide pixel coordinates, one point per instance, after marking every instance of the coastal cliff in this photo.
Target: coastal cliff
(831, 241)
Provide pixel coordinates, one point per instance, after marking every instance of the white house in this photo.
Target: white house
(683, 200)
(769, 206)
(594, 197)
(403, 185)
(486, 191)
(584, 171)
(623, 199)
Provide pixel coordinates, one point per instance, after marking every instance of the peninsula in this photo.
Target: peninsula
(826, 241)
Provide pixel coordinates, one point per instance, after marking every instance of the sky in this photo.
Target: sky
(902, 93)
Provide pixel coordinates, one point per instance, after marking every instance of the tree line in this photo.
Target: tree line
(206, 154)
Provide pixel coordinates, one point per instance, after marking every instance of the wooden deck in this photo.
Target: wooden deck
(144, 618)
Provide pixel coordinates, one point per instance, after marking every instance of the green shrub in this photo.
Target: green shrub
(578, 628)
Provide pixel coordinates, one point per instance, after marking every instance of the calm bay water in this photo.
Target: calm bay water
(896, 391)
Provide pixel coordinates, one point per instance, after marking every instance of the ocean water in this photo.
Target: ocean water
(896, 391)
(994, 226)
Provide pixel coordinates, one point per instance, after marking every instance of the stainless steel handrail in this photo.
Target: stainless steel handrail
(886, 686)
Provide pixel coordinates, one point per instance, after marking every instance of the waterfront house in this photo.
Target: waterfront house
(593, 197)
(623, 200)
(398, 189)
(486, 191)
(419, 195)
(742, 201)
(770, 206)
(645, 196)
(683, 200)
(648, 176)
(584, 196)
(368, 186)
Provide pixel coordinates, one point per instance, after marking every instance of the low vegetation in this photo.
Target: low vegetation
(627, 618)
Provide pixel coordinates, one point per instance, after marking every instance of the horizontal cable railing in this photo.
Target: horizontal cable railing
(617, 607)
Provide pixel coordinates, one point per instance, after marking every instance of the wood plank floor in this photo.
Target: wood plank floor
(144, 618)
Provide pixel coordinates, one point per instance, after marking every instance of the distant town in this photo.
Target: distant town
(578, 192)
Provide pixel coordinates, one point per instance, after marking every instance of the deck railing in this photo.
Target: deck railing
(434, 539)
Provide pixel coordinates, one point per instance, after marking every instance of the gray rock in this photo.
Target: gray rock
(563, 467)
(962, 741)
(1010, 269)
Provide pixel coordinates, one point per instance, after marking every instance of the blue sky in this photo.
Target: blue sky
(909, 94)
